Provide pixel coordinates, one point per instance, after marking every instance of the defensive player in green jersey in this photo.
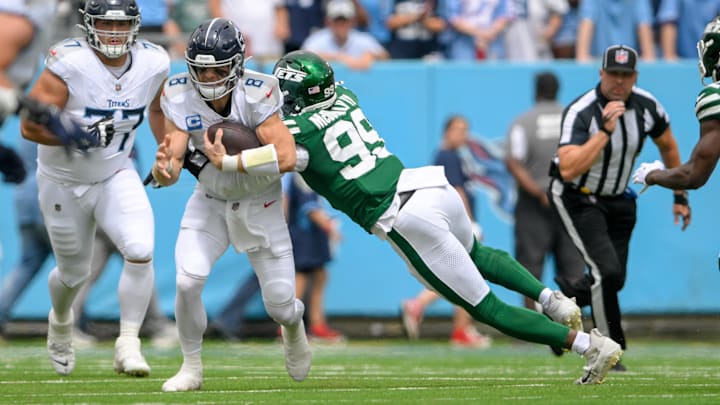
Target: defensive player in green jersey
(695, 172)
(703, 159)
(342, 157)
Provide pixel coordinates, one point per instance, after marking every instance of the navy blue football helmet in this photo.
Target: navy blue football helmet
(216, 43)
(116, 10)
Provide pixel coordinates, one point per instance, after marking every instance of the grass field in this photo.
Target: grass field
(371, 372)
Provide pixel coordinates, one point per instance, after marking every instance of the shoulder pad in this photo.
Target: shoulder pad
(177, 84)
(259, 87)
(145, 45)
(64, 49)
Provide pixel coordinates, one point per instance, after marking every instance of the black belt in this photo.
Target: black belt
(404, 197)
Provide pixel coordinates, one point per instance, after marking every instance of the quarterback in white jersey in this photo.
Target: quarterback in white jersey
(106, 74)
(240, 205)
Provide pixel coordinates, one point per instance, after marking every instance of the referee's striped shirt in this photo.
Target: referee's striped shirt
(609, 175)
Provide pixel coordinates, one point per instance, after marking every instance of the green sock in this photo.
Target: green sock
(519, 322)
(498, 267)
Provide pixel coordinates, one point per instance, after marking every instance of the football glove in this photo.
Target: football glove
(8, 102)
(11, 166)
(639, 175)
(70, 133)
(103, 129)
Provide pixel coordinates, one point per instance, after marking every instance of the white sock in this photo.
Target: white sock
(544, 296)
(134, 291)
(192, 361)
(129, 329)
(61, 297)
(581, 344)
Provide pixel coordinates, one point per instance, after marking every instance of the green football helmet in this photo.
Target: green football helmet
(709, 51)
(307, 82)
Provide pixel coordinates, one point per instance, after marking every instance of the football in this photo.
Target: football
(236, 136)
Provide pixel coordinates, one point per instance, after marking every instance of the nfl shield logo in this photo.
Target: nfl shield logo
(621, 56)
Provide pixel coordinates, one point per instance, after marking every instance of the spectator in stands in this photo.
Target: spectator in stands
(414, 26)
(681, 23)
(188, 14)
(476, 28)
(340, 42)
(264, 25)
(563, 43)
(464, 333)
(377, 11)
(604, 23)
(305, 17)
(158, 26)
(535, 23)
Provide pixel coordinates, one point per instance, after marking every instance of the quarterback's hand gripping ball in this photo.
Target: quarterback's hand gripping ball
(236, 137)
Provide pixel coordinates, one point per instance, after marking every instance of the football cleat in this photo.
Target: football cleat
(128, 359)
(603, 354)
(564, 310)
(60, 344)
(298, 357)
(187, 379)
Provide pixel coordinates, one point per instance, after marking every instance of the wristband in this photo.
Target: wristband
(262, 161)
(681, 199)
(230, 163)
(607, 131)
(302, 158)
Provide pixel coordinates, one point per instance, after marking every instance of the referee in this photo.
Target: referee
(602, 132)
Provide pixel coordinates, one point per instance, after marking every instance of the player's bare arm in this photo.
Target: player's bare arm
(16, 32)
(48, 89)
(703, 159)
(668, 148)
(156, 118)
(273, 131)
(169, 156)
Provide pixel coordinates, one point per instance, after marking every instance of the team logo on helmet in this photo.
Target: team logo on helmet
(290, 74)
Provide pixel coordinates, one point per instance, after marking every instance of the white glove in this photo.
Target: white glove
(645, 168)
(8, 101)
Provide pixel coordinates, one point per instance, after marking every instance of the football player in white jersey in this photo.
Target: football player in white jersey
(240, 205)
(108, 73)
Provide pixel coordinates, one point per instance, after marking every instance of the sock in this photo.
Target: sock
(129, 329)
(61, 297)
(581, 344)
(499, 267)
(192, 360)
(134, 291)
(519, 322)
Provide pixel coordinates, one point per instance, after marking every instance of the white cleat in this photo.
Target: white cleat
(298, 357)
(564, 310)
(60, 344)
(187, 379)
(602, 355)
(82, 340)
(128, 359)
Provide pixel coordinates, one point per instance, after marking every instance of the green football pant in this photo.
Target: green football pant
(433, 235)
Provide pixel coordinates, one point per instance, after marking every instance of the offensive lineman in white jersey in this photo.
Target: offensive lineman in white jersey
(240, 205)
(105, 74)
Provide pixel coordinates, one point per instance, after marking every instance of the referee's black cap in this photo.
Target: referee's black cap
(620, 58)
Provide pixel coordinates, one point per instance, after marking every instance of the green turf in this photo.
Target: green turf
(371, 372)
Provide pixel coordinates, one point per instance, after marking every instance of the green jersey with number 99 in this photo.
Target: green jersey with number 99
(348, 164)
